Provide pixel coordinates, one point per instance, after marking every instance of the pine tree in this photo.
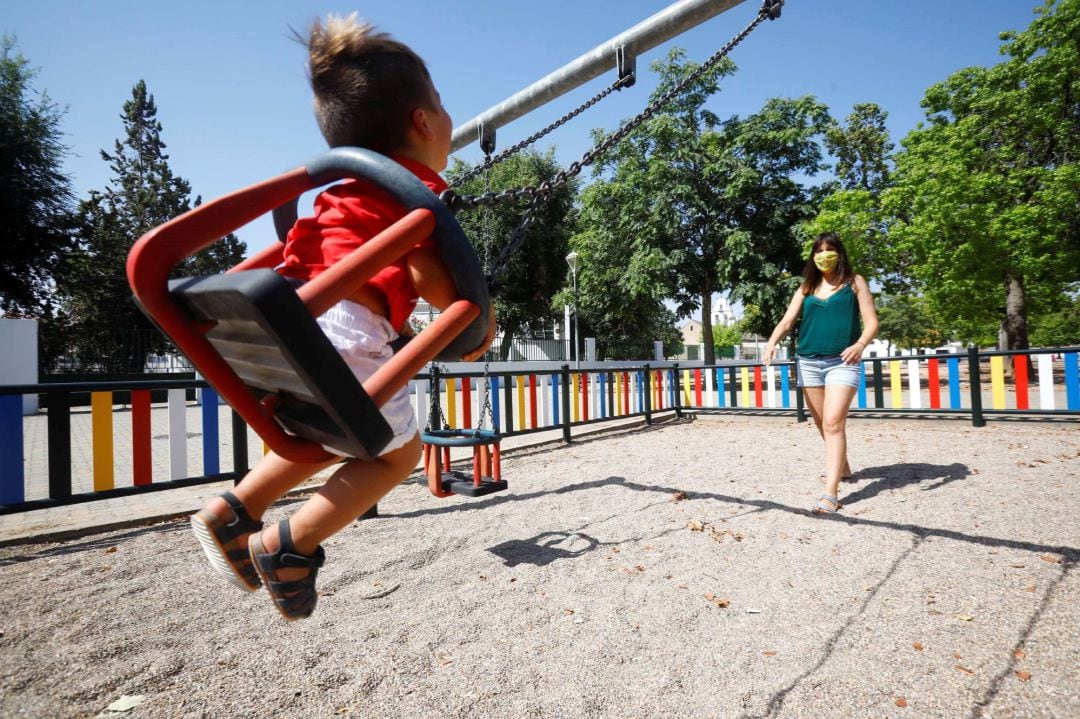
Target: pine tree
(108, 329)
(35, 195)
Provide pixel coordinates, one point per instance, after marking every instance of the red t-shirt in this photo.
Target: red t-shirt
(346, 216)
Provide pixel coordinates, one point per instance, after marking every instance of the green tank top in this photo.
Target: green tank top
(829, 326)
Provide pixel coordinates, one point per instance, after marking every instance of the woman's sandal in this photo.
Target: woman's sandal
(295, 599)
(220, 542)
(823, 504)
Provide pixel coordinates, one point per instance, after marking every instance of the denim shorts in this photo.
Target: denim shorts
(822, 371)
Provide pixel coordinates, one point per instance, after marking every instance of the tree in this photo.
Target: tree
(35, 196)
(108, 330)
(906, 322)
(715, 203)
(618, 302)
(1060, 328)
(983, 215)
(538, 267)
(852, 208)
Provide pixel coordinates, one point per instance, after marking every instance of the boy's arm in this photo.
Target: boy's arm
(433, 283)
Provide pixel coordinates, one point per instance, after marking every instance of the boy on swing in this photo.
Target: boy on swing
(370, 91)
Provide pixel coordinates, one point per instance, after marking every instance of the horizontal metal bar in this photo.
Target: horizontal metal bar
(647, 34)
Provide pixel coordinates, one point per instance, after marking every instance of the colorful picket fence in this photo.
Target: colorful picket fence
(1041, 382)
(113, 446)
(1044, 382)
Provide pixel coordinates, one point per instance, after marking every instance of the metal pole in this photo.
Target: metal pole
(577, 336)
(647, 34)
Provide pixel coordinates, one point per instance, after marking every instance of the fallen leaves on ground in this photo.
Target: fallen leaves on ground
(769, 653)
(722, 602)
(965, 670)
(918, 646)
(110, 550)
(1019, 654)
(679, 496)
(1022, 675)
(1050, 558)
(901, 702)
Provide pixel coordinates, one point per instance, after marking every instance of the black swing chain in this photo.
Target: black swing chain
(489, 161)
(770, 10)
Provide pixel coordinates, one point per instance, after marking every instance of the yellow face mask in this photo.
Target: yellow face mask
(826, 260)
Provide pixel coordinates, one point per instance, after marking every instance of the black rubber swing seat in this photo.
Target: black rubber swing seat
(269, 338)
(254, 336)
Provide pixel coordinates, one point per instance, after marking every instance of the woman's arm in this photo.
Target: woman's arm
(853, 354)
(784, 327)
(432, 282)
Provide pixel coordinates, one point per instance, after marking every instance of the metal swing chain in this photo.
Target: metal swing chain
(489, 161)
(485, 408)
(770, 10)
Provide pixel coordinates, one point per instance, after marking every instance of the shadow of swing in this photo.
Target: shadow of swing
(544, 548)
(895, 476)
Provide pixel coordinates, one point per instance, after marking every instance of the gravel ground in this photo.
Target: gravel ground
(658, 572)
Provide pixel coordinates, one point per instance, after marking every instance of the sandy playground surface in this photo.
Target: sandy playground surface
(671, 571)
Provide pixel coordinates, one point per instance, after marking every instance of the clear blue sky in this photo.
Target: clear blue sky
(232, 95)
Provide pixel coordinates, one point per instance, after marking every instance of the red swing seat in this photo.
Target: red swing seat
(254, 337)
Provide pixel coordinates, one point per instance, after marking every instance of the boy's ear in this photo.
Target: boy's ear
(419, 120)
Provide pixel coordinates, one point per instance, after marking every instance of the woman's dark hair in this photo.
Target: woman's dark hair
(812, 276)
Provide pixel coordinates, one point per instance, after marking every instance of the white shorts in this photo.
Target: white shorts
(363, 338)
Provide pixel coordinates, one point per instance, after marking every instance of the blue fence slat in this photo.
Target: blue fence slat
(603, 393)
(954, 382)
(555, 401)
(862, 386)
(495, 417)
(1072, 380)
(12, 476)
(211, 446)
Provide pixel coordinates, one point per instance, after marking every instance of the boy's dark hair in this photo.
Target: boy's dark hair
(366, 84)
(812, 276)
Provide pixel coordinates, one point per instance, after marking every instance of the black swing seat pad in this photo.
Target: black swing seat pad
(266, 334)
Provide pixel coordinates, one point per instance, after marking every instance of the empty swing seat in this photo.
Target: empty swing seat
(444, 481)
(253, 335)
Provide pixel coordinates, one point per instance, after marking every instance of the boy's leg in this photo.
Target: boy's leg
(266, 483)
(352, 489)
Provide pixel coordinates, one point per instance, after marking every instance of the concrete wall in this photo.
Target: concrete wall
(19, 357)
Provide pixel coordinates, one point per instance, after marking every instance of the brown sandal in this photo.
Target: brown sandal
(295, 599)
(220, 542)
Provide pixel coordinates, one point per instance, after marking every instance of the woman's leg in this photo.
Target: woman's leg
(834, 429)
(815, 400)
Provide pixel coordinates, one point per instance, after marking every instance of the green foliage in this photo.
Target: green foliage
(142, 194)
(862, 149)
(1060, 328)
(907, 322)
(853, 209)
(727, 335)
(538, 267)
(983, 215)
(693, 205)
(35, 196)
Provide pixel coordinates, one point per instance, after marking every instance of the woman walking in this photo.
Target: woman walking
(831, 300)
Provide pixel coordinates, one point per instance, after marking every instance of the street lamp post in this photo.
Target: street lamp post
(572, 260)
